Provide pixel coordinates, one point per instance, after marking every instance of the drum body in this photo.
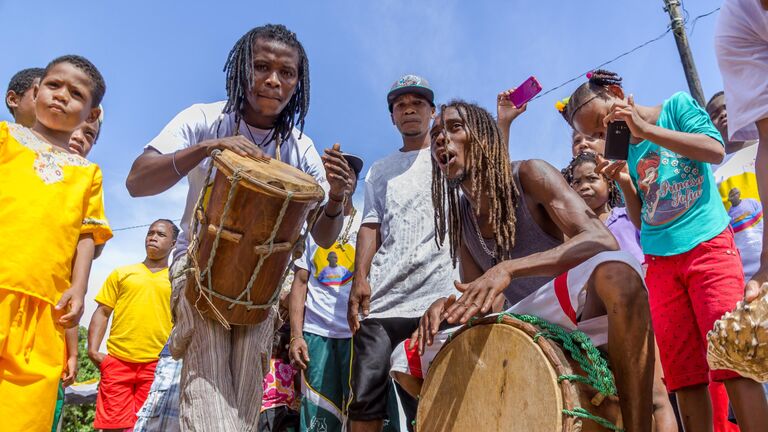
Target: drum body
(494, 377)
(248, 230)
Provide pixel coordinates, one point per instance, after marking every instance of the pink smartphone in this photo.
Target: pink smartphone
(525, 92)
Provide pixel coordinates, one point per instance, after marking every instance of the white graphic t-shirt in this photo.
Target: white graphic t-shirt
(330, 279)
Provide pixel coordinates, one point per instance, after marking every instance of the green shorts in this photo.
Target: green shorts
(325, 383)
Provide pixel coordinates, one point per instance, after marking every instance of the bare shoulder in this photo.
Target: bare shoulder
(538, 178)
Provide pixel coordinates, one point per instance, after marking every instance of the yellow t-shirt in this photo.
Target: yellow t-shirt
(48, 198)
(141, 317)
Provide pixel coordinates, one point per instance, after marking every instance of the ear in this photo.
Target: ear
(392, 117)
(12, 99)
(616, 91)
(35, 90)
(93, 115)
(434, 113)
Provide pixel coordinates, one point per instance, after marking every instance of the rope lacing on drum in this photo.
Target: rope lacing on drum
(581, 349)
(205, 290)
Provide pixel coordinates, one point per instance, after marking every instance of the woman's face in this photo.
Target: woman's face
(591, 186)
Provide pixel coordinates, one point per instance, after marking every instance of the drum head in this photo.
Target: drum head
(270, 176)
(491, 378)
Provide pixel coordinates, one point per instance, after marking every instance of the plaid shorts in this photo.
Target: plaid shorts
(160, 411)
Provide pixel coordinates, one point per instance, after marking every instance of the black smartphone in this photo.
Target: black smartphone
(617, 141)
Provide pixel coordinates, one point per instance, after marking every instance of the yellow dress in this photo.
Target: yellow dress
(48, 198)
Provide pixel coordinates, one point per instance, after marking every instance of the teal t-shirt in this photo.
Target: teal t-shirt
(681, 204)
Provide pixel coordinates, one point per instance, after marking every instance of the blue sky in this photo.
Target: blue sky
(160, 57)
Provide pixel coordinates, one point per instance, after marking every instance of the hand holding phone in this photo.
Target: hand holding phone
(617, 137)
(525, 92)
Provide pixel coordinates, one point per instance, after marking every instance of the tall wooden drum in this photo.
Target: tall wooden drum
(245, 236)
(498, 375)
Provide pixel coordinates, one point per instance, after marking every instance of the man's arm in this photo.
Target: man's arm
(368, 242)
(153, 173)
(586, 237)
(96, 331)
(297, 350)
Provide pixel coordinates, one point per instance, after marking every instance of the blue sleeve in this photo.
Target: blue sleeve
(692, 118)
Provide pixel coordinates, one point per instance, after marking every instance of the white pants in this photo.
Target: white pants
(560, 301)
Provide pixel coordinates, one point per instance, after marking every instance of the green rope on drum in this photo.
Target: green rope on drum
(582, 413)
(581, 349)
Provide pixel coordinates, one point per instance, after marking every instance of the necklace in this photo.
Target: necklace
(344, 239)
(484, 245)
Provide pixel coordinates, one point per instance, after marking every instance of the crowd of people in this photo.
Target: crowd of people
(642, 255)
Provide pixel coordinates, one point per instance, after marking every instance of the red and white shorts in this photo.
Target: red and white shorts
(560, 301)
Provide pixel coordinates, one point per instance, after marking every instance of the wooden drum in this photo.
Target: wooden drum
(245, 237)
(493, 376)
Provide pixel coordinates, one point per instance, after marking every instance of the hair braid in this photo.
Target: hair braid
(595, 87)
(490, 173)
(239, 71)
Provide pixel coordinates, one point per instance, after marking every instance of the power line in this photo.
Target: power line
(137, 226)
(624, 54)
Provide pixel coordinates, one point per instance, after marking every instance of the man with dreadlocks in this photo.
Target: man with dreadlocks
(267, 86)
(518, 230)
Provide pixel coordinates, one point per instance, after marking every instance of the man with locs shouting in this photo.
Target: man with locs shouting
(507, 230)
(267, 85)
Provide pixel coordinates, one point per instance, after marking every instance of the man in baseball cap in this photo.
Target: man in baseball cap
(390, 294)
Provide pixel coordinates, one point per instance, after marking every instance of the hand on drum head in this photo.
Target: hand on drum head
(478, 296)
(238, 144)
(430, 323)
(340, 176)
(757, 286)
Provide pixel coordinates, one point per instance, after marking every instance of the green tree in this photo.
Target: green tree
(79, 418)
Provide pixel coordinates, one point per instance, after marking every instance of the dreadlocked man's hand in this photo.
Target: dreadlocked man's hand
(430, 323)
(479, 295)
(338, 173)
(238, 144)
(506, 111)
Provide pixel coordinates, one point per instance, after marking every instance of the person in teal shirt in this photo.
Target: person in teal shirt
(694, 272)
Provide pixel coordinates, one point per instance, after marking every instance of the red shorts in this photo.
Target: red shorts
(688, 293)
(122, 390)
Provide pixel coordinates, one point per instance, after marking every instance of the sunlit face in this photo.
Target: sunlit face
(275, 68)
(411, 114)
(63, 99)
(588, 120)
(450, 142)
(84, 137)
(718, 115)
(591, 186)
(333, 259)
(159, 240)
(581, 143)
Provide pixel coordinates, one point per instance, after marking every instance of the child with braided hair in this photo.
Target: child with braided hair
(694, 271)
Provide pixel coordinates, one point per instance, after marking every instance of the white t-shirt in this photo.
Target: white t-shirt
(741, 45)
(202, 122)
(747, 218)
(329, 284)
(409, 271)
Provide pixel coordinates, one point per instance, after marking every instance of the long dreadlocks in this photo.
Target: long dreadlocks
(614, 196)
(239, 69)
(489, 169)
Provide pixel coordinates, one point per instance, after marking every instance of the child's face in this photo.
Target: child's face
(63, 98)
(591, 186)
(581, 143)
(84, 137)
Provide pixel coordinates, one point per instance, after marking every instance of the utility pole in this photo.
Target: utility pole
(686, 58)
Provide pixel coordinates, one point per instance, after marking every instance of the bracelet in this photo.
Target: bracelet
(332, 198)
(173, 159)
(294, 338)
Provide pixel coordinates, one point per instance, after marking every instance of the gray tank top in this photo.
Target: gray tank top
(529, 239)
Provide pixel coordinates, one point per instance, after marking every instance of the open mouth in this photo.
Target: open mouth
(446, 158)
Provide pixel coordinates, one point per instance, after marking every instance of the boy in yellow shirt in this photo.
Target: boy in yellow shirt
(138, 297)
(53, 217)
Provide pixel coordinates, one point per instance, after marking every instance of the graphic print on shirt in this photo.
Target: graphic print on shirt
(748, 213)
(667, 200)
(335, 266)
